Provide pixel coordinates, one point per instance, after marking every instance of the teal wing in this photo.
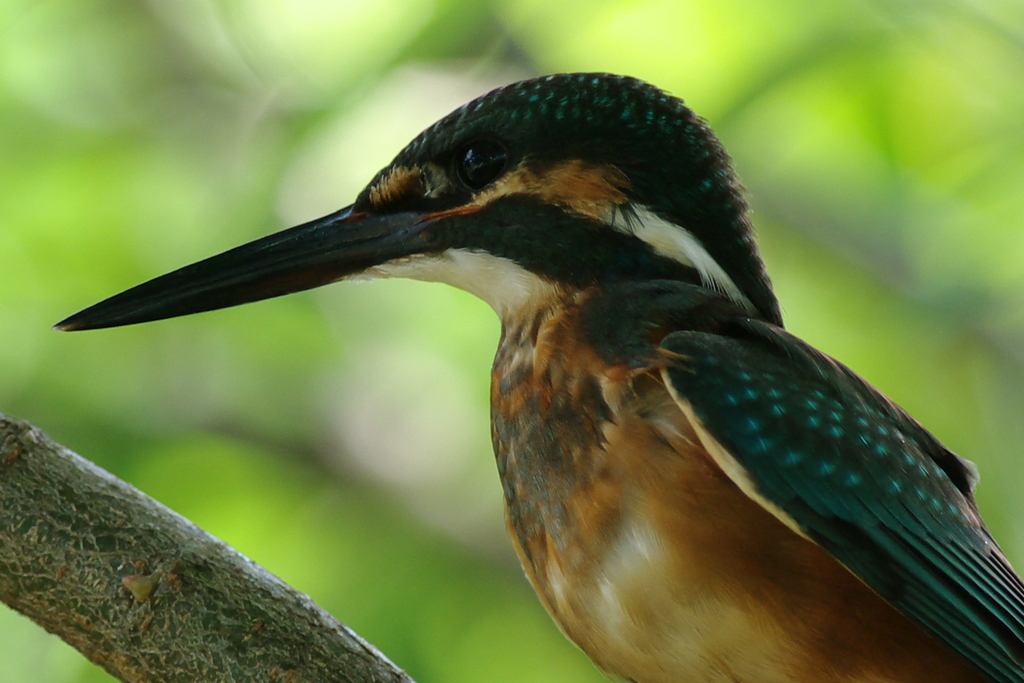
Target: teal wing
(861, 478)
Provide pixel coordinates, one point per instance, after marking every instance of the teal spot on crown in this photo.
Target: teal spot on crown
(674, 163)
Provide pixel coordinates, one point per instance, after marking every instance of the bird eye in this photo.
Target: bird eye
(480, 162)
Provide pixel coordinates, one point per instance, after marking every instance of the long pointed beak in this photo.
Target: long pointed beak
(307, 256)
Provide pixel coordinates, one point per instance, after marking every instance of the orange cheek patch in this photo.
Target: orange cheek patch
(586, 189)
(401, 181)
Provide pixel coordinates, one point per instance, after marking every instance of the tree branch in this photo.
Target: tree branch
(146, 594)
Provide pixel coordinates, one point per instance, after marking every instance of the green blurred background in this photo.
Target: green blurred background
(340, 437)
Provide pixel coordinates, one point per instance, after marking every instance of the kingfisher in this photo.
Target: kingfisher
(695, 494)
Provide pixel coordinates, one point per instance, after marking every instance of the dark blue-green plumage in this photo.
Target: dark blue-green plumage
(861, 478)
(675, 164)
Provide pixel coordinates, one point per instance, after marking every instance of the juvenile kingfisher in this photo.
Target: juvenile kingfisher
(695, 494)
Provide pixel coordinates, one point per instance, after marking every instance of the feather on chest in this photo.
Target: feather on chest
(588, 455)
(645, 552)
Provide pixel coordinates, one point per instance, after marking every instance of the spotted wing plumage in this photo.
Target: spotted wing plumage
(858, 476)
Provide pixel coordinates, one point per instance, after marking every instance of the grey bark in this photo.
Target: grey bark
(146, 594)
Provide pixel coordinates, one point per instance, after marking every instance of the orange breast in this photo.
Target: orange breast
(650, 559)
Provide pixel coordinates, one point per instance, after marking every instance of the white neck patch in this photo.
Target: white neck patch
(679, 244)
(504, 285)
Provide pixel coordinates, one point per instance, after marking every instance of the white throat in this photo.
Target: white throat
(503, 284)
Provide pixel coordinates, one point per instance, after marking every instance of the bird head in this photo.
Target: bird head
(541, 187)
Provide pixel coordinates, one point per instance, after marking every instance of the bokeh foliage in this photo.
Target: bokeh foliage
(340, 437)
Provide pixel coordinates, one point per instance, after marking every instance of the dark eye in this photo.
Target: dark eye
(480, 162)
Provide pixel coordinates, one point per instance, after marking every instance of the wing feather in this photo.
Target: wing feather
(852, 471)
